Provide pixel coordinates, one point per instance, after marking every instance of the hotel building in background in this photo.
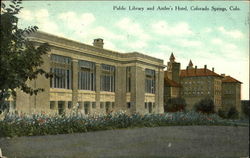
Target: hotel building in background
(194, 84)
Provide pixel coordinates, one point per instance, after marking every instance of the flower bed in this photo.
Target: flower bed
(41, 124)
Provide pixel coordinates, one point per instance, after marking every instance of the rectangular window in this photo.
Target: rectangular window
(69, 104)
(86, 75)
(52, 105)
(146, 105)
(128, 105)
(61, 69)
(149, 81)
(93, 105)
(102, 105)
(128, 79)
(107, 78)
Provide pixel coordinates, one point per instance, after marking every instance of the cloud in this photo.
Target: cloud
(103, 32)
(76, 22)
(166, 48)
(207, 30)
(42, 19)
(26, 15)
(132, 28)
(216, 41)
(179, 29)
(137, 44)
(189, 43)
(231, 33)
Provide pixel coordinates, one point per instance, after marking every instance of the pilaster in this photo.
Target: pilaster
(74, 82)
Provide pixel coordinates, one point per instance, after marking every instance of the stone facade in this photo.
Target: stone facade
(231, 93)
(194, 84)
(90, 79)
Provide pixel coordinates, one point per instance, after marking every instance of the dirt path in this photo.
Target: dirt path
(177, 141)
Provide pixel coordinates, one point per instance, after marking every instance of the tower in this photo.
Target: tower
(173, 69)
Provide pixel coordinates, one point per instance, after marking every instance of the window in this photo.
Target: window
(153, 105)
(107, 78)
(86, 75)
(128, 104)
(128, 79)
(93, 105)
(146, 105)
(102, 105)
(86, 107)
(150, 81)
(61, 69)
(52, 105)
(69, 104)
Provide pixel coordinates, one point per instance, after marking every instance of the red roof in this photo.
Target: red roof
(229, 79)
(171, 83)
(198, 72)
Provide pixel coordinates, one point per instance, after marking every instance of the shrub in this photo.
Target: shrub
(233, 113)
(205, 105)
(14, 125)
(222, 113)
(245, 105)
(175, 104)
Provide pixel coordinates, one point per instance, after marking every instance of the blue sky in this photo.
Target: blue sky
(219, 39)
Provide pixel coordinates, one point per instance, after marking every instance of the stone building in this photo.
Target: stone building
(231, 93)
(92, 79)
(172, 85)
(195, 84)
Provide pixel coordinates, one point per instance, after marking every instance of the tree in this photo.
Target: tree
(205, 105)
(245, 105)
(20, 59)
(175, 104)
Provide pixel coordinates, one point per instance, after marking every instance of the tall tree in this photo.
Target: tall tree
(20, 59)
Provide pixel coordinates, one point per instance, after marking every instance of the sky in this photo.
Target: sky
(216, 37)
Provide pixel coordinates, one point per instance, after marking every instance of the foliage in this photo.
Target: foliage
(245, 107)
(233, 113)
(175, 104)
(20, 59)
(205, 105)
(14, 125)
(222, 113)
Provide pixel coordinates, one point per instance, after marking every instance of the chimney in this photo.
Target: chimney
(223, 75)
(205, 68)
(213, 69)
(98, 43)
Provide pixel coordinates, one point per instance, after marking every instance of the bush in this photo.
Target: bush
(205, 105)
(245, 105)
(14, 125)
(222, 113)
(233, 113)
(175, 104)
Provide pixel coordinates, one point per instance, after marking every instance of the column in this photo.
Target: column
(120, 89)
(159, 85)
(74, 82)
(97, 77)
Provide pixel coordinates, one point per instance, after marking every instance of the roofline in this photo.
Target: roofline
(122, 55)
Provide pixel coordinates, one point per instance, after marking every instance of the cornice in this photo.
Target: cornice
(71, 45)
